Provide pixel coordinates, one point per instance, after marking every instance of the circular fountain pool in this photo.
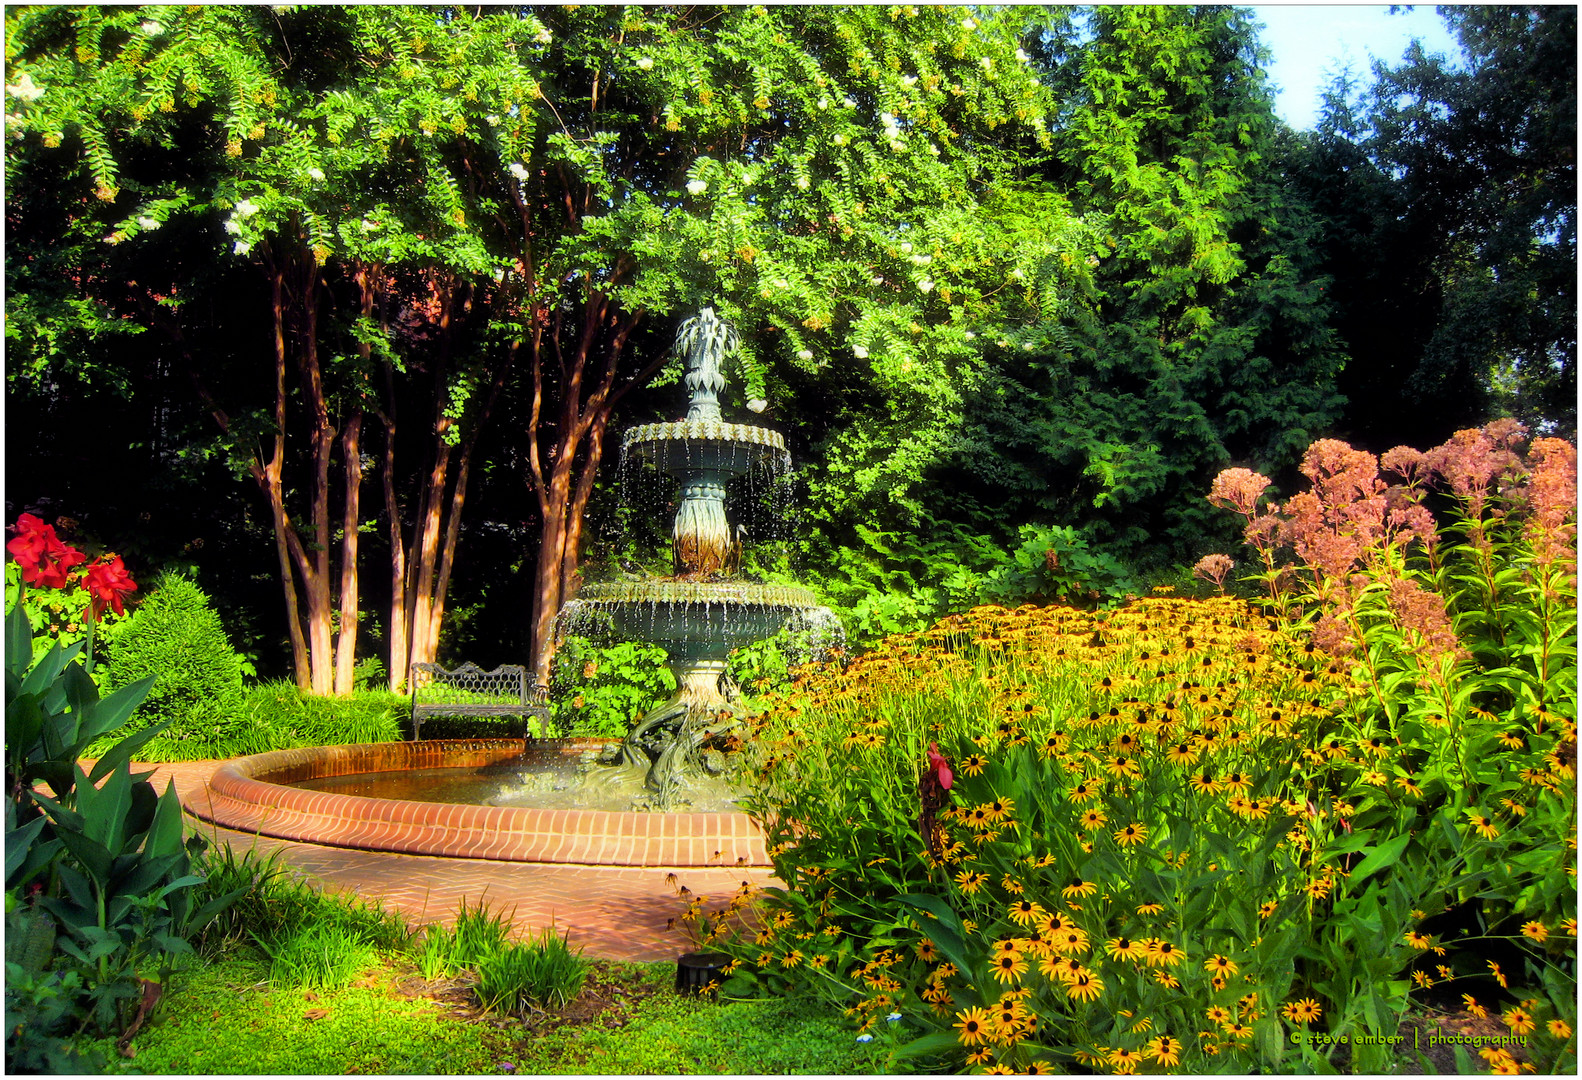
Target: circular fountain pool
(274, 794)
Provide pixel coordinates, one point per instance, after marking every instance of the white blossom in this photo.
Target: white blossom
(897, 145)
(749, 179)
(543, 37)
(988, 64)
(841, 140)
(152, 28)
(518, 170)
(757, 405)
(316, 174)
(697, 187)
(1017, 275)
(970, 336)
(823, 103)
(932, 149)
(849, 103)
(24, 88)
(926, 285)
(242, 247)
(492, 120)
(969, 23)
(1022, 56)
(247, 208)
(232, 227)
(147, 224)
(645, 63)
(922, 260)
(906, 247)
(1027, 346)
(782, 283)
(801, 183)
(908, 80)
(877, 280)
(804, 354)
(859, 352)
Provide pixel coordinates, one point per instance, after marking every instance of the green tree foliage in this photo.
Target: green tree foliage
(1451, 197)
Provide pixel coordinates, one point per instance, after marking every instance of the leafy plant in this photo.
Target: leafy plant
(176, 637)
(545, 972)
(599, 691)
(318, 956)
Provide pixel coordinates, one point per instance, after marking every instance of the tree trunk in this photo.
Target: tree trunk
(346, 645)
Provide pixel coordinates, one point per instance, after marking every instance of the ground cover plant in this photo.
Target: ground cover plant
(1202, 835)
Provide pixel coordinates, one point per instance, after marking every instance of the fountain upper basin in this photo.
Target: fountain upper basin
(690, 616)
(250, 794)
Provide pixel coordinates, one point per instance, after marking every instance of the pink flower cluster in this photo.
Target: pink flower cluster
(1214, 568)
(1552, 500)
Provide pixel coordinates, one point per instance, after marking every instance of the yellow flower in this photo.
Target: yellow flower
(973, 764)
(1025, 912)
(1163, 954)
(1093, 819)
(1079, 888)
(1484, 827)
(973, 1025)
(1519, 1020)
(1165, 1050)
(1473, 1008)
(1085, 987)
(1559, 1029)
(1535, 930)
(1218, 1015)
(1220, 966)
(970, 881)
(1149, 909)
(1125, 1061)
(1131, 835)
(1417, 940)
(1008, 967)
(1499, 976)
(1125, 949)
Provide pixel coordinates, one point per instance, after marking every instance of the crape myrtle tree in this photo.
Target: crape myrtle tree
(1208, 342)
(1450, 193)
(296, 144)
(502, 201)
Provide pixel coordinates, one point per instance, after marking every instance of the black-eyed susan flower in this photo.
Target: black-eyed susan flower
(1167, 980)
(1000, 809)
(1084, 792)
(1125, 949)
(1222, 966)
(1535, 930)
(1121, 765)
(973, 764)
(1007, 947)
(1240, 783)
(1124, 1061)
(1499, 976)
(1182, 754)
(1408, 784)
(1134, 833)
(1267, 908)
(1484, 827)
(1519, 1020)
(1149, 909)
(1085, 987)
(1026, 912)
(1065, 969)
(1470, 1003)
(1238, 1031)
(1009, 967)
(1559, 1029)
(970, 881)
(1079, 889)
(1069, 941)
(973, 1026)
(1093, 819)
(1205, 783)
(1164, 954)
(1418, 940)
(1218, 1015)
(1165, 1050)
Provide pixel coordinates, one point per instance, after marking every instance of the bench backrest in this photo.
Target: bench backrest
(469, 684)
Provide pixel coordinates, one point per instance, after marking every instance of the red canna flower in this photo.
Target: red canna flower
(44, 559)
(105, 582)
(937, 762)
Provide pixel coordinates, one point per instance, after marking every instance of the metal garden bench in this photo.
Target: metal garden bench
(472, 691)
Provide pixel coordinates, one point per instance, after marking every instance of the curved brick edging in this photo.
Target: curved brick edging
(249, 795)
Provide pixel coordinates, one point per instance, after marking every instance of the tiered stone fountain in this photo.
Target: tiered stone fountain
(702, 612)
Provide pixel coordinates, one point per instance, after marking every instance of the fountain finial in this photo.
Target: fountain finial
(706, 339)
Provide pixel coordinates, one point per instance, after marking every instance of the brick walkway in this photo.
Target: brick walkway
(615, 913)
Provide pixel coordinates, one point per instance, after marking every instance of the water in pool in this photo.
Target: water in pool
(544, 782)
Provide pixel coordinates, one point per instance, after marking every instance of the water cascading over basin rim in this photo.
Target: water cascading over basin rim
(790, 597)
(251, 795)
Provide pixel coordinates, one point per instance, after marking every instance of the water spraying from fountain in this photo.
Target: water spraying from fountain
(702, 612)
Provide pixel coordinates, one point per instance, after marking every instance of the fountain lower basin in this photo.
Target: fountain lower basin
(252, 795)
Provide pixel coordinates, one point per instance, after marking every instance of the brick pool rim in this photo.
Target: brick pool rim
(250, 795)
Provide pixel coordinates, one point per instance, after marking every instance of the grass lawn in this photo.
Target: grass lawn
(227, 1018)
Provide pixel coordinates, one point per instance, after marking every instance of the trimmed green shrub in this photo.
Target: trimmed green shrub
(176, 636)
